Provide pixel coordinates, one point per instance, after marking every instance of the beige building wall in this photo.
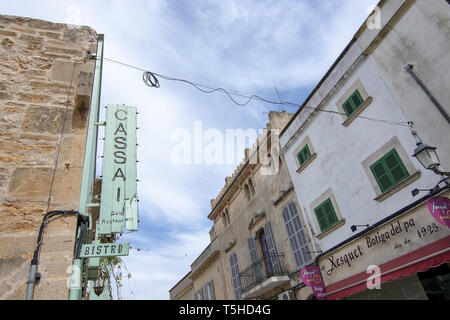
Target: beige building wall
(237, 217)
(183, 290)
(45, 89)
(210, 272)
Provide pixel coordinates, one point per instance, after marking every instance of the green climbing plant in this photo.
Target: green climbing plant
(115, 270)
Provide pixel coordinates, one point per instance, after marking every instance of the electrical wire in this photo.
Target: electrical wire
(34, 276)
(151, 80)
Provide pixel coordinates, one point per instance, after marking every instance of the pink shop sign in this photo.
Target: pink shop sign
(440, 210)
(312, 277)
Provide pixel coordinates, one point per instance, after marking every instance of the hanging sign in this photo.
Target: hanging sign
(312, 277)
(104, 250)
(119, 172)
(440, 210)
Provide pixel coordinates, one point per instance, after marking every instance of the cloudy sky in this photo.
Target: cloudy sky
(244, 46)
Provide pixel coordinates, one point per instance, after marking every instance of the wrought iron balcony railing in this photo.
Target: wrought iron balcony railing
(262, 269)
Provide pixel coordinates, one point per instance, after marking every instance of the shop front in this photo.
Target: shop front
(405, 256)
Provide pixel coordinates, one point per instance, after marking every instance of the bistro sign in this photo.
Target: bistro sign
(104, 250)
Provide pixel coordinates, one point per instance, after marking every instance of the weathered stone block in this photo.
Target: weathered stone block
(52, 289)
(7, 43)
(10, 117)
(4, 96)
(65, 51)
(72, 152)
(51, 35)
(45, 25)
(18, 246)
(8, 33)
(38, 137)
(32, 97)
(30, 39)
(38, 154)
(24, 30)
(66, 185)
(43, 120)
(85, 80)
(4, 177)
(71, 35)
(34, 72)
(30, 183)
(56, 264)
(9, 264)
(62, 71)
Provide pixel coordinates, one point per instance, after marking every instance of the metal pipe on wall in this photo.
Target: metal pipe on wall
(89, 165)
(409, 69)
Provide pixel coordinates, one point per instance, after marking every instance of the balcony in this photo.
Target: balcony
(264, 275)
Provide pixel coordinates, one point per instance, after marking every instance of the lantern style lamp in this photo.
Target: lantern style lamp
(427, 156)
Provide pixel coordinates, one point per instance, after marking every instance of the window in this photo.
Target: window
(209, 291)
(352, 103)
(235, 276)
(389, 171)
(326, 215)
(303, 155)
(212, 233)
(247, 191)
(199, 294)
(251, 187)
(226, 218)
(296, 234)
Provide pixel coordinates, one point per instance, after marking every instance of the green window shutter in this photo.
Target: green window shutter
(300, 158)
(303, 155)
(357, 99)
(325, 214)
(320, 218)
(353, 103)
(329, 213)
(396, 166)
(348, 108)
(389, 171)
(381, 176)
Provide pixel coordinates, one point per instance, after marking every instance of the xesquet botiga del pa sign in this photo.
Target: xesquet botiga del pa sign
(404, 234)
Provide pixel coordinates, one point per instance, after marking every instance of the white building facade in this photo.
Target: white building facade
(348, 150)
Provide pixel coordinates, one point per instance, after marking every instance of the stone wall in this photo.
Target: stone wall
(45, 89)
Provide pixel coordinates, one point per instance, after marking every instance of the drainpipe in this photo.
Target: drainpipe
(409, 69)
(90, 155)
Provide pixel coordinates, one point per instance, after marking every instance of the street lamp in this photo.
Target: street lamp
(428, 158)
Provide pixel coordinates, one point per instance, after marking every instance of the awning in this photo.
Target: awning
(422, 259)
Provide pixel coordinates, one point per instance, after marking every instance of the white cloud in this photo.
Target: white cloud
(156, 271)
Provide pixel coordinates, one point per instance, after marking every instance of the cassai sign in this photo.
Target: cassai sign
(118, 197)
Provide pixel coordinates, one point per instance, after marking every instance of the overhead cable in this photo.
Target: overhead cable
(151, 80)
